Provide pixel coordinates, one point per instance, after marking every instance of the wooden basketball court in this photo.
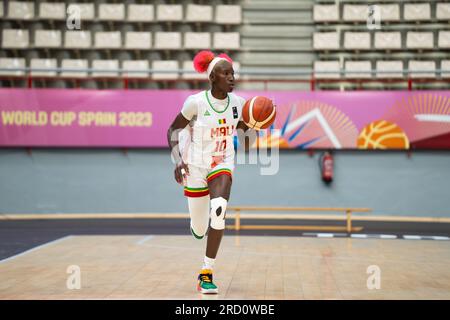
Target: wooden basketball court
(248, 267)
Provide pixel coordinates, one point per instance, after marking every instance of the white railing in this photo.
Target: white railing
(309, 73)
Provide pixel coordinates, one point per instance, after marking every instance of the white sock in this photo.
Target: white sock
(208, 263)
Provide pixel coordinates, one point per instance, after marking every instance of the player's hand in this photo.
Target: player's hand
(181, 170)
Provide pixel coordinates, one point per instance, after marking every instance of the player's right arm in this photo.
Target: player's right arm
(180, 122)
(177, 125)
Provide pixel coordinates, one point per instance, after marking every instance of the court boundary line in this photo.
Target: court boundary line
(56, 216)
(376, 236)
(141, 241)
(46, 244)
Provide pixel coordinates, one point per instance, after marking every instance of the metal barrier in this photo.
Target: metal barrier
(238, 225)
(244, 76)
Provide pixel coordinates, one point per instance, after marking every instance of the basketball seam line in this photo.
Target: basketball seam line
(260, 111)
(251, 119)
(257, 121)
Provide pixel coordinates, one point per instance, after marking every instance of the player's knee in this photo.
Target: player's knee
(218, 209)
(199, 213)
(198, 230)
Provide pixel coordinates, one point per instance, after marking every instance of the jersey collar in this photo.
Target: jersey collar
(210, 104)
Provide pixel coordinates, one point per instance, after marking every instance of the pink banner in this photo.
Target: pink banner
(140, 118)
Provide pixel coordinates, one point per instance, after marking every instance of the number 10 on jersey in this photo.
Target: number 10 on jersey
(221, 145)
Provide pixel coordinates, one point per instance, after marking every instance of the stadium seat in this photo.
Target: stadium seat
(111, 12)
(74, 64)
(188, 66)
(326, 13)
(327, 66)
(138, 40)
(388, 40)
(167, 40)
(394, 65)
(226, 40)
(87, 10)
(228, 14)
(444, 39)
(419, 40)
(443, 11)
(237, 69)
(445, 67)
(389, 12)
(52, 11)
(43, 64)
(416, 11)
(415, 65)
(11, 63)
(197, 40)
(21, 10)
(169, 12)
(326, 40)
(15, 38)
(47, 39)
(355, 13)
(358, 66)
(199, 13)
(141, 12)
(167, 65)
(105, 65)
(135, 65)
(108, 40)
(77, 39)
(357, 40)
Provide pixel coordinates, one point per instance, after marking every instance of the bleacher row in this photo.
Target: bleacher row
(383, 69)
(358, 69)
(220, 14)
(389, 12)
(104, 68)
(20, 39)
(391, 40)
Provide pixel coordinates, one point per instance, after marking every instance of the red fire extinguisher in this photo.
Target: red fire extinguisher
(327, 166)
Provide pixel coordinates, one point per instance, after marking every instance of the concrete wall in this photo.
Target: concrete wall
(110, 181)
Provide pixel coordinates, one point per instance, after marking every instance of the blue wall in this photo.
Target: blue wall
(110, 181)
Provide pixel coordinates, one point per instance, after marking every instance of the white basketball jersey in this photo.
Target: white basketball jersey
(211, 131)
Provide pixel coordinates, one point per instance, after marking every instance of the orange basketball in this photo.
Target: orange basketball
(258, 113)
(382, 134)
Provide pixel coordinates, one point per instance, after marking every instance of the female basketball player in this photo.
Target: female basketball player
(206, 163)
